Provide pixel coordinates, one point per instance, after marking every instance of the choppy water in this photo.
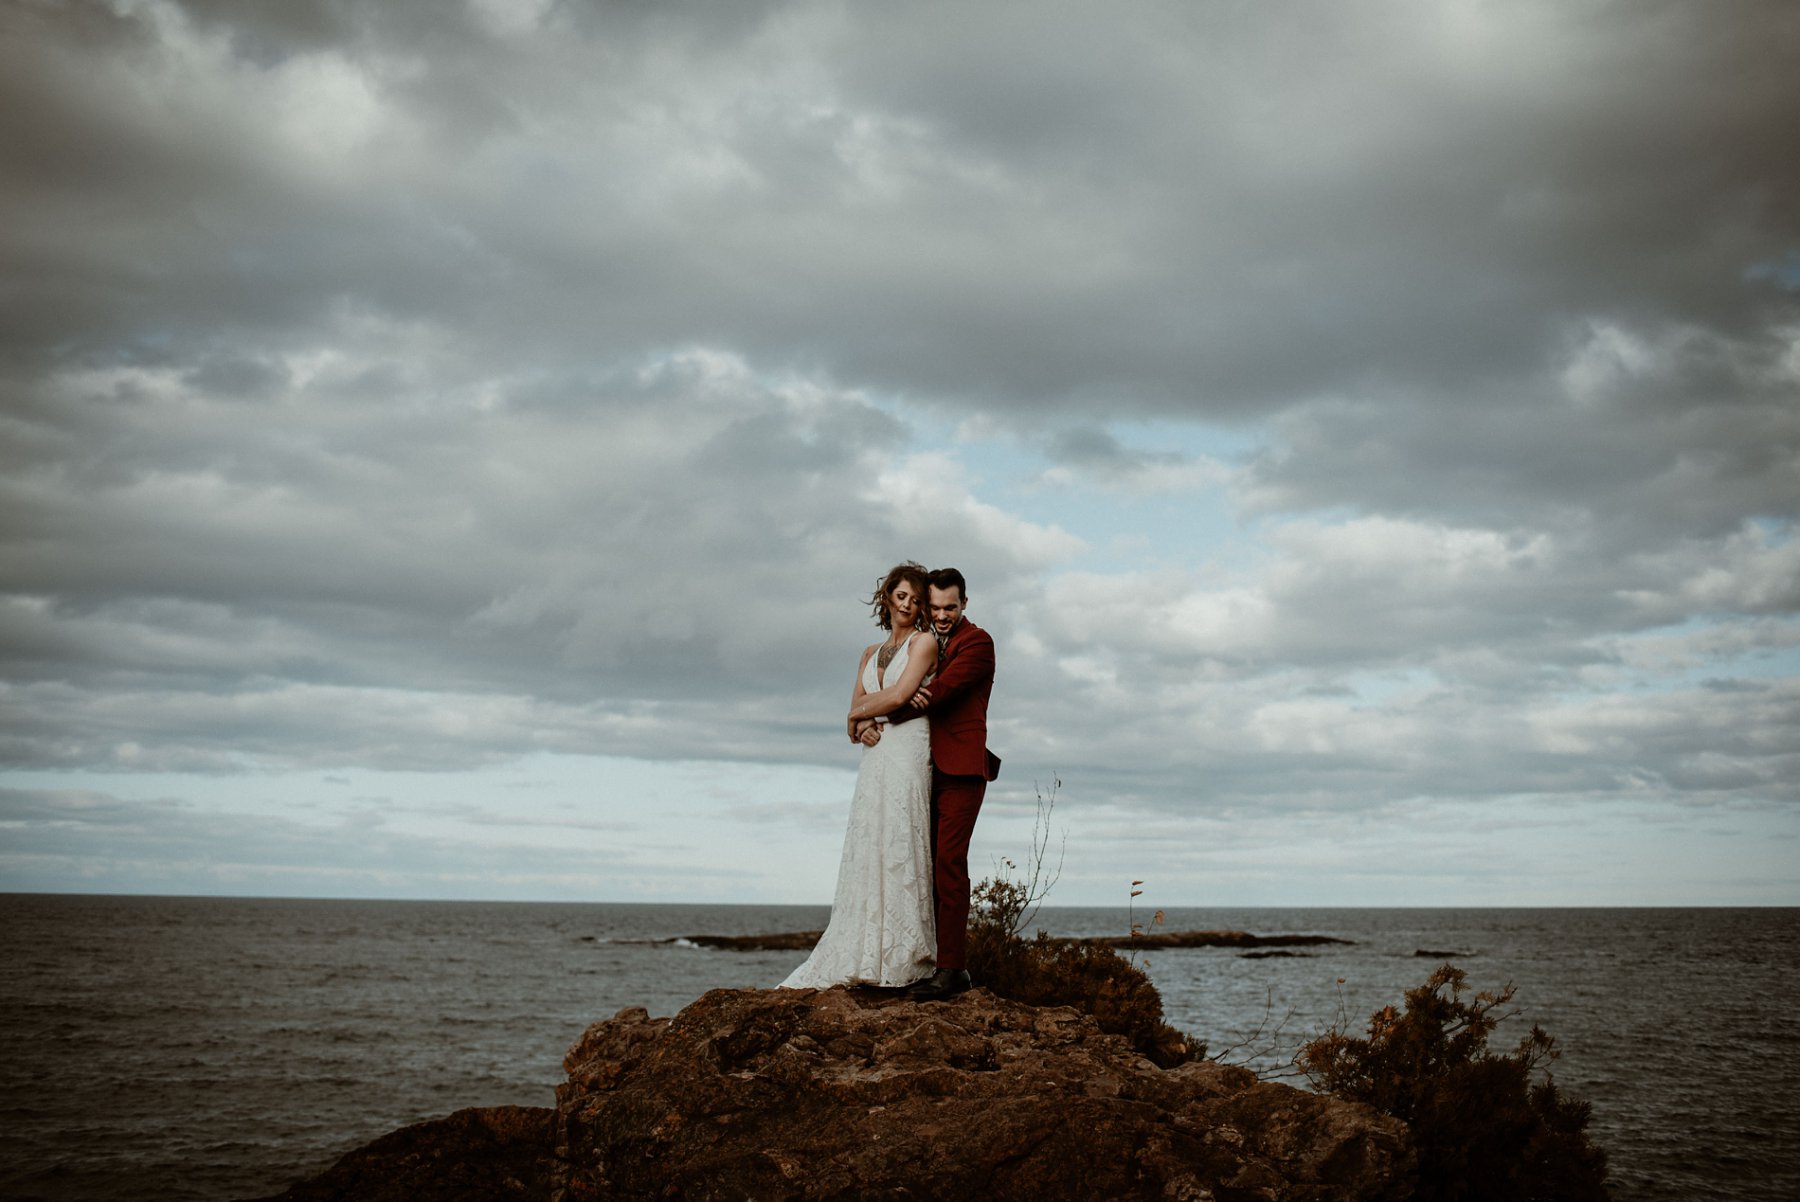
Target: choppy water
(208, 1049)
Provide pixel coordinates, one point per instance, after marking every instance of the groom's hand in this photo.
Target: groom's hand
(921, 699)
(871, 735)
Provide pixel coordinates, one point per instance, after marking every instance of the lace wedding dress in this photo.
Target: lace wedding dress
(881, 930)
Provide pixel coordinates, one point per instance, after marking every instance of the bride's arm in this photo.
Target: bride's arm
(919, 661)
(858, 693)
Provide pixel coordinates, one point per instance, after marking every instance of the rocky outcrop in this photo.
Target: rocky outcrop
(841, 1094)
(493, 1155)
(800, 941)
(838, 1095)
(786, 941)
(1151, 940)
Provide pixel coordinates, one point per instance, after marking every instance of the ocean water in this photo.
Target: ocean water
(209, 1049)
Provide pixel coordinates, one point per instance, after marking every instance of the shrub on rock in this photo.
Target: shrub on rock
(1484, 1128)
(1046, 972)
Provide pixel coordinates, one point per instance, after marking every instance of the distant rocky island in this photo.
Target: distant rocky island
(851, 1094)
(800, 941)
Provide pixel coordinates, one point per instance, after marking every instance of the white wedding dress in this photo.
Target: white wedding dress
(882, 931)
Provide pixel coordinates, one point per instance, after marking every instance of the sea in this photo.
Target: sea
(207, 1049)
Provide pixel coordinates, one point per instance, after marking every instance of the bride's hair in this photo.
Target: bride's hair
(913, 573)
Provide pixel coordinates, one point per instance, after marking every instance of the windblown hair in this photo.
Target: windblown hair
(912, 573)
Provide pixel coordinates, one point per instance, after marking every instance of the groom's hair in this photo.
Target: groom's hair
(948, 578)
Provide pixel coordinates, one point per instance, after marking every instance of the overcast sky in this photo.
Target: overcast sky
(446, 447)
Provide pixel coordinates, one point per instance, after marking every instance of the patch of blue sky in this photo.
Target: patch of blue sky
(1374, 690)
(1784, 271)
(1782, 664)
(1162, 500)
(1770, 652)
(1776, 532)
(1127, 533)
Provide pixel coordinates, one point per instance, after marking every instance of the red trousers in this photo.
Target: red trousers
(955, 801)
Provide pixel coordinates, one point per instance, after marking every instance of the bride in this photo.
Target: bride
(881, 930)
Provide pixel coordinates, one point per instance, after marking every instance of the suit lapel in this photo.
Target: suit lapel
(950, 643)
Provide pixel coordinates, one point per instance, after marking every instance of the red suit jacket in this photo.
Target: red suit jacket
(959, 701)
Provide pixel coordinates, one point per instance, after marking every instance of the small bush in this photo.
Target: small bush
(1048, 972)
(1484, 1131)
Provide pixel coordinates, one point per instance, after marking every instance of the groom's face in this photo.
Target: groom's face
(946, 608)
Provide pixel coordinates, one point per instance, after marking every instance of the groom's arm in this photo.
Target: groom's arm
(972, 665)
(912, 709)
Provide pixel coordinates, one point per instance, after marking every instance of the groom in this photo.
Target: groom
(961, 767)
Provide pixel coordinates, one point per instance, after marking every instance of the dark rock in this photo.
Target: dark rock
(488, 1155)
(836, 1094)
(1151, 940)
(845, 1094)
(802, 941)
(792, 941)
(779, 941)
(1429, 954)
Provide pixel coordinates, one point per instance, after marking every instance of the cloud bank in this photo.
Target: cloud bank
(1337, 408)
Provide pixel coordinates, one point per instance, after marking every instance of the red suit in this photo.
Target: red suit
(961, 767)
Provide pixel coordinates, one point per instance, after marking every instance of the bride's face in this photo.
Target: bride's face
(903, 605)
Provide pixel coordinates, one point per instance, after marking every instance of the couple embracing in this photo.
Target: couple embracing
(900, 915)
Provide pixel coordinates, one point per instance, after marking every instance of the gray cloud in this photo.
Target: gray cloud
(1192, 212)
(416, 385)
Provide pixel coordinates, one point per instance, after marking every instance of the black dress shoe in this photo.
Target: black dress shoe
(942, 984)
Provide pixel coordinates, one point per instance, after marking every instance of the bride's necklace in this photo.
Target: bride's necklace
(885, 656)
